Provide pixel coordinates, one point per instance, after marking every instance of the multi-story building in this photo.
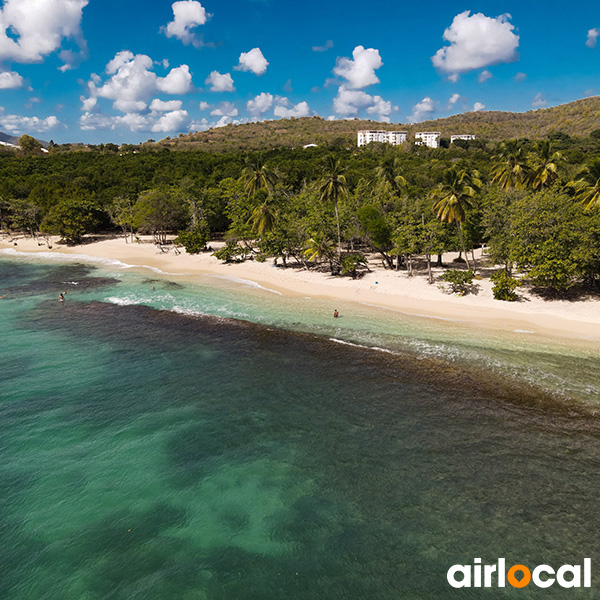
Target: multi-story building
(428, 138)
(394, 138)
(467, 137)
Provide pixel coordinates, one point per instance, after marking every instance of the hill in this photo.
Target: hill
(576, 119)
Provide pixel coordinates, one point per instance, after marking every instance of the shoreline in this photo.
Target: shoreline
(381, 289)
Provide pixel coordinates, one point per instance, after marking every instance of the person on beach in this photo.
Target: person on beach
(336, 314)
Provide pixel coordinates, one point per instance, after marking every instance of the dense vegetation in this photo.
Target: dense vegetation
(534, 204)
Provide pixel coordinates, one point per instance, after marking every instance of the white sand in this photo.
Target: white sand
(390, 289)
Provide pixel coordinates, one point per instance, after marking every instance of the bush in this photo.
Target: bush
(194, 241)
(461, 282)
(504, 286)
(351, 262)
(231, 252)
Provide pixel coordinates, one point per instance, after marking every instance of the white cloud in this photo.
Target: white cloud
(188, 14)
(453, 99)
(260, 104)
(360, 70)
(592, 37)
(132, 83)
(204, 105)
(253, 61)
(476, 41)
(220, 82)
(326, 46)
(33, 29)
(9, 80)
(177, 82)
(299, 110)
(225, 109)
(162, 106)
(176, 120)
(422, 110)
(478, 106)
(539, 101)
(520, 77)
(484, 76)
(349, 102)
(19, 124)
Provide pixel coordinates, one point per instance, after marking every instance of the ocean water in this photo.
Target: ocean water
(168, 439)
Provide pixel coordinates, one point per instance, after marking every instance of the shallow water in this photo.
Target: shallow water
(217, 443)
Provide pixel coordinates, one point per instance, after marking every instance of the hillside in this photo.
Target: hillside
(577, 119)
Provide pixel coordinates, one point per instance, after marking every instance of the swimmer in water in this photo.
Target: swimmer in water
(61, 298)
(336, 314)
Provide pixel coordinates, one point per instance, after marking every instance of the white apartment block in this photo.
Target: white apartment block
(394, 138)
(428, 138)
(461, 137)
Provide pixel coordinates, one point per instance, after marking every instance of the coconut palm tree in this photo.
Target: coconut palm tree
(319, 247)
(387, 173)
(587, 187)
(333, 188)
(256, 175)
(454, 195)
(510, 168)
(262, 218)
(544, 165)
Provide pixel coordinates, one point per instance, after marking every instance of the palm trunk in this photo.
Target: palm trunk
(339, 235)
(462, 241)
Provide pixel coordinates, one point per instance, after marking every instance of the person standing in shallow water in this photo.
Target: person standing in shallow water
(336, 314)
(61, 298)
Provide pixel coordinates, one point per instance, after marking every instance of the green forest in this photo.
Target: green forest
(533, 204)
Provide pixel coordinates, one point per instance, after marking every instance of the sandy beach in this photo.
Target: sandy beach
(382, 287)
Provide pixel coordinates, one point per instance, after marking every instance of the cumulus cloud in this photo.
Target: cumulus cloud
(453, 99)
(225, 109)
(260, 104)
(253, 61)
(520, 77)
(165, 122)
(9, 80)
(592, 37)
(19, 124)
(220, 82)
(350, 102)
(422, 110)
(539, 101)
(175, 120)
(476, 41)
(187, 15)
(299, 110)
(33, 29)
(204, 105)
(133, 83)
(359, 71)
(326, 46)
(162, 106)
(478, 106)
(484, 76)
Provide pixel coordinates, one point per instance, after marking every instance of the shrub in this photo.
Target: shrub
(504, 286)
(460, 282)
(194, 241)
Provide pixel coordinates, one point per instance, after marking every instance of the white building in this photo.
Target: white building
(394, 138)
(428, 138)
(461, 137)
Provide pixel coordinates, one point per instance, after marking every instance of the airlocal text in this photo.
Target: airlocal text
(499, 575)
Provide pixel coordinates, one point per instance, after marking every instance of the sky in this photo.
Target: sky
(124, 71)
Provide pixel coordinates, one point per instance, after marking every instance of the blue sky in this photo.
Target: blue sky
(126, 71)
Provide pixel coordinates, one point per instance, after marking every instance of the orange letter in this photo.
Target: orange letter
(514, 581)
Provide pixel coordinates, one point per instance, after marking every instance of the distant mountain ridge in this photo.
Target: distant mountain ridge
(577, 119)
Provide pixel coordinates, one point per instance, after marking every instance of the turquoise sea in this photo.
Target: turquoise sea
(168, 439)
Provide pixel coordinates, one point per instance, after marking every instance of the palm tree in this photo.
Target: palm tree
(387, 174)
(256, 175)
(587, 187)
(454, 195)
(545, 162)
(332, 189)
(319, 247)
(262, 218)
(510, 169)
